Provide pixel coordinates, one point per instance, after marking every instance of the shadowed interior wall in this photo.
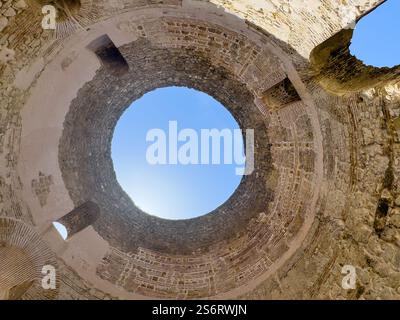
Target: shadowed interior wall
(324, 193)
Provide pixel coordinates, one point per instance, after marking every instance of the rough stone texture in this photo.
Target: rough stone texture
(80, 218)
(325, 191)
(41, 187)
(23, 255)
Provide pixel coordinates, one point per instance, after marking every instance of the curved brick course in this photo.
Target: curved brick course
(325, 191)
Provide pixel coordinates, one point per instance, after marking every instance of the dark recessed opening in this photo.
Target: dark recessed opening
(79, 218)
(109, 55)
(281, 94)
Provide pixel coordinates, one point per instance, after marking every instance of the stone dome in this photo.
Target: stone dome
(324, 194)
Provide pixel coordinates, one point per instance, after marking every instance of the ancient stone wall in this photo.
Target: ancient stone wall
(324, 193)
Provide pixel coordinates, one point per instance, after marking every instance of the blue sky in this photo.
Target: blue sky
(187, 191)
(376, 39)
(172, 191)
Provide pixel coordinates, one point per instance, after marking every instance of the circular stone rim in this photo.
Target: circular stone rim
(169, 236)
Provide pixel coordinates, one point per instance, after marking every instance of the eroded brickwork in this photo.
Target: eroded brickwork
(325, 191)
(41, 187)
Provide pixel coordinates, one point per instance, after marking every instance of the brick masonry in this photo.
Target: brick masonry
(327, 155)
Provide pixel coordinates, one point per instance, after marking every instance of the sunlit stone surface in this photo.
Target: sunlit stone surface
(325, 190)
